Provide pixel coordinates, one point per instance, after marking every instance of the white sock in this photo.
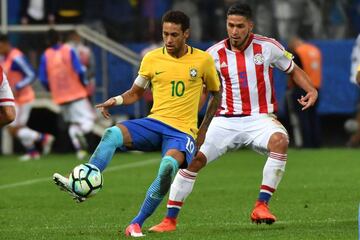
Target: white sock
(181, 187)
(273, 170)
(28, 137)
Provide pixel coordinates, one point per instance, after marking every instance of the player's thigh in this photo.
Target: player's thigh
(261, 130)
(179, 145)
(22, 115)
(141, 134)
(223, 135)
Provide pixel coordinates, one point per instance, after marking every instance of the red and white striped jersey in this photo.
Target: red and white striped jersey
(6, 95)
(247, 76)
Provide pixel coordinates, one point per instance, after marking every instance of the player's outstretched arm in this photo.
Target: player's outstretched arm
(210, 111)
(129, 97)
(302, 80)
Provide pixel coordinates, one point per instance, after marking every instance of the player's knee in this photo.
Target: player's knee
(113, 135)
(168, 167)
(8, 115)
(197, 163)
(278, 142)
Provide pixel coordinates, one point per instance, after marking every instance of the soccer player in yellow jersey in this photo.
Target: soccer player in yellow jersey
(177, 74)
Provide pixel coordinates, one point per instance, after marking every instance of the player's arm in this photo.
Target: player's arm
(21, 64)
(302, 80)
(78, 67)
(358, 75)
(212, 106)
(213, 86)
(43, 78)
(129, 97)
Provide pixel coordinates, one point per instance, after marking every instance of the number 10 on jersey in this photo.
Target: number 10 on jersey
(177, 88)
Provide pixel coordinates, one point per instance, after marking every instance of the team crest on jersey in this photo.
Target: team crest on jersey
(193, 72)
(258, 59)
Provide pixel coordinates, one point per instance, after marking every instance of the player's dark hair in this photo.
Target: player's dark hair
(4, 38)
(53, 37)
(177, 17)
(240, 9)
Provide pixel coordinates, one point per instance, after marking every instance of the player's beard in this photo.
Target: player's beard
(242, 43)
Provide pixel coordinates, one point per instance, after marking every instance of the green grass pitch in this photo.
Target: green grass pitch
(317, 199)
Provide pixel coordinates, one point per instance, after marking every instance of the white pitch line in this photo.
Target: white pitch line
(110, 169)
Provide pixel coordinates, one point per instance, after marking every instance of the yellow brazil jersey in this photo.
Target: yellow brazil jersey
(177, 85)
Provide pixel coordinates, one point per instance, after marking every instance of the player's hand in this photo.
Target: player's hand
(308, 100)
(104, 107)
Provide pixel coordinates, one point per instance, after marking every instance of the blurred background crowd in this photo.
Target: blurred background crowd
(330, 25)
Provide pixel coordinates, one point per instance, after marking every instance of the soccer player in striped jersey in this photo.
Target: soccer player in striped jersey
(177, 74)
(245, 117)
(7, 101)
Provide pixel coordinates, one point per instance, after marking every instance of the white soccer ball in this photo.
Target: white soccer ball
(86, 180)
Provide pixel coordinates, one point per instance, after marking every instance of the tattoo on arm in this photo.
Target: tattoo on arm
(211, 109)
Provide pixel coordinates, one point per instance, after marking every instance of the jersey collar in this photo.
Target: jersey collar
(190, 50)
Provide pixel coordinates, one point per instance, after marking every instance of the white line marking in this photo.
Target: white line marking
(110, 169)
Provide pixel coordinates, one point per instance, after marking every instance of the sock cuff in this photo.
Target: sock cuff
(267, 189)
(278, 156)
(188, 175)
(174, 204)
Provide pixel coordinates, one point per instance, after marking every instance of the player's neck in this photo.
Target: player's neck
(181, 52)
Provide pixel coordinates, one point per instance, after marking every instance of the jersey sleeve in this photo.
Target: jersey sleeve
(145, 67)
(211, 78)
(281, 58)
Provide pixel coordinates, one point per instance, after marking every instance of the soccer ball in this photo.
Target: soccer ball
(86, 180)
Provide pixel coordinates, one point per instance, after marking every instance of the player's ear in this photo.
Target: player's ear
(187, 33)
(251, 25)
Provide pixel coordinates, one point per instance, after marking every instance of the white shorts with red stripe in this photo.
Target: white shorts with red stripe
(6, 95)
(80, 112)
(230, 133)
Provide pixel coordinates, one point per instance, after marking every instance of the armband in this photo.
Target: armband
(142, 82)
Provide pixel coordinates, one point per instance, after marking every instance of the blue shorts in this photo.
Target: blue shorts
(152, 135)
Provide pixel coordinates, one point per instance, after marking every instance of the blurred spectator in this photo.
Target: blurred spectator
(212, 13)
(68, 11)
(152, 12)
(309, 58)
(264, 18)
(62, 74)
(353, 125)
(35, 12)
(311, 21)
(288, 14)
(121, 20)
(190, 8)
(337, 19)
(21, 75)
(86, 58)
